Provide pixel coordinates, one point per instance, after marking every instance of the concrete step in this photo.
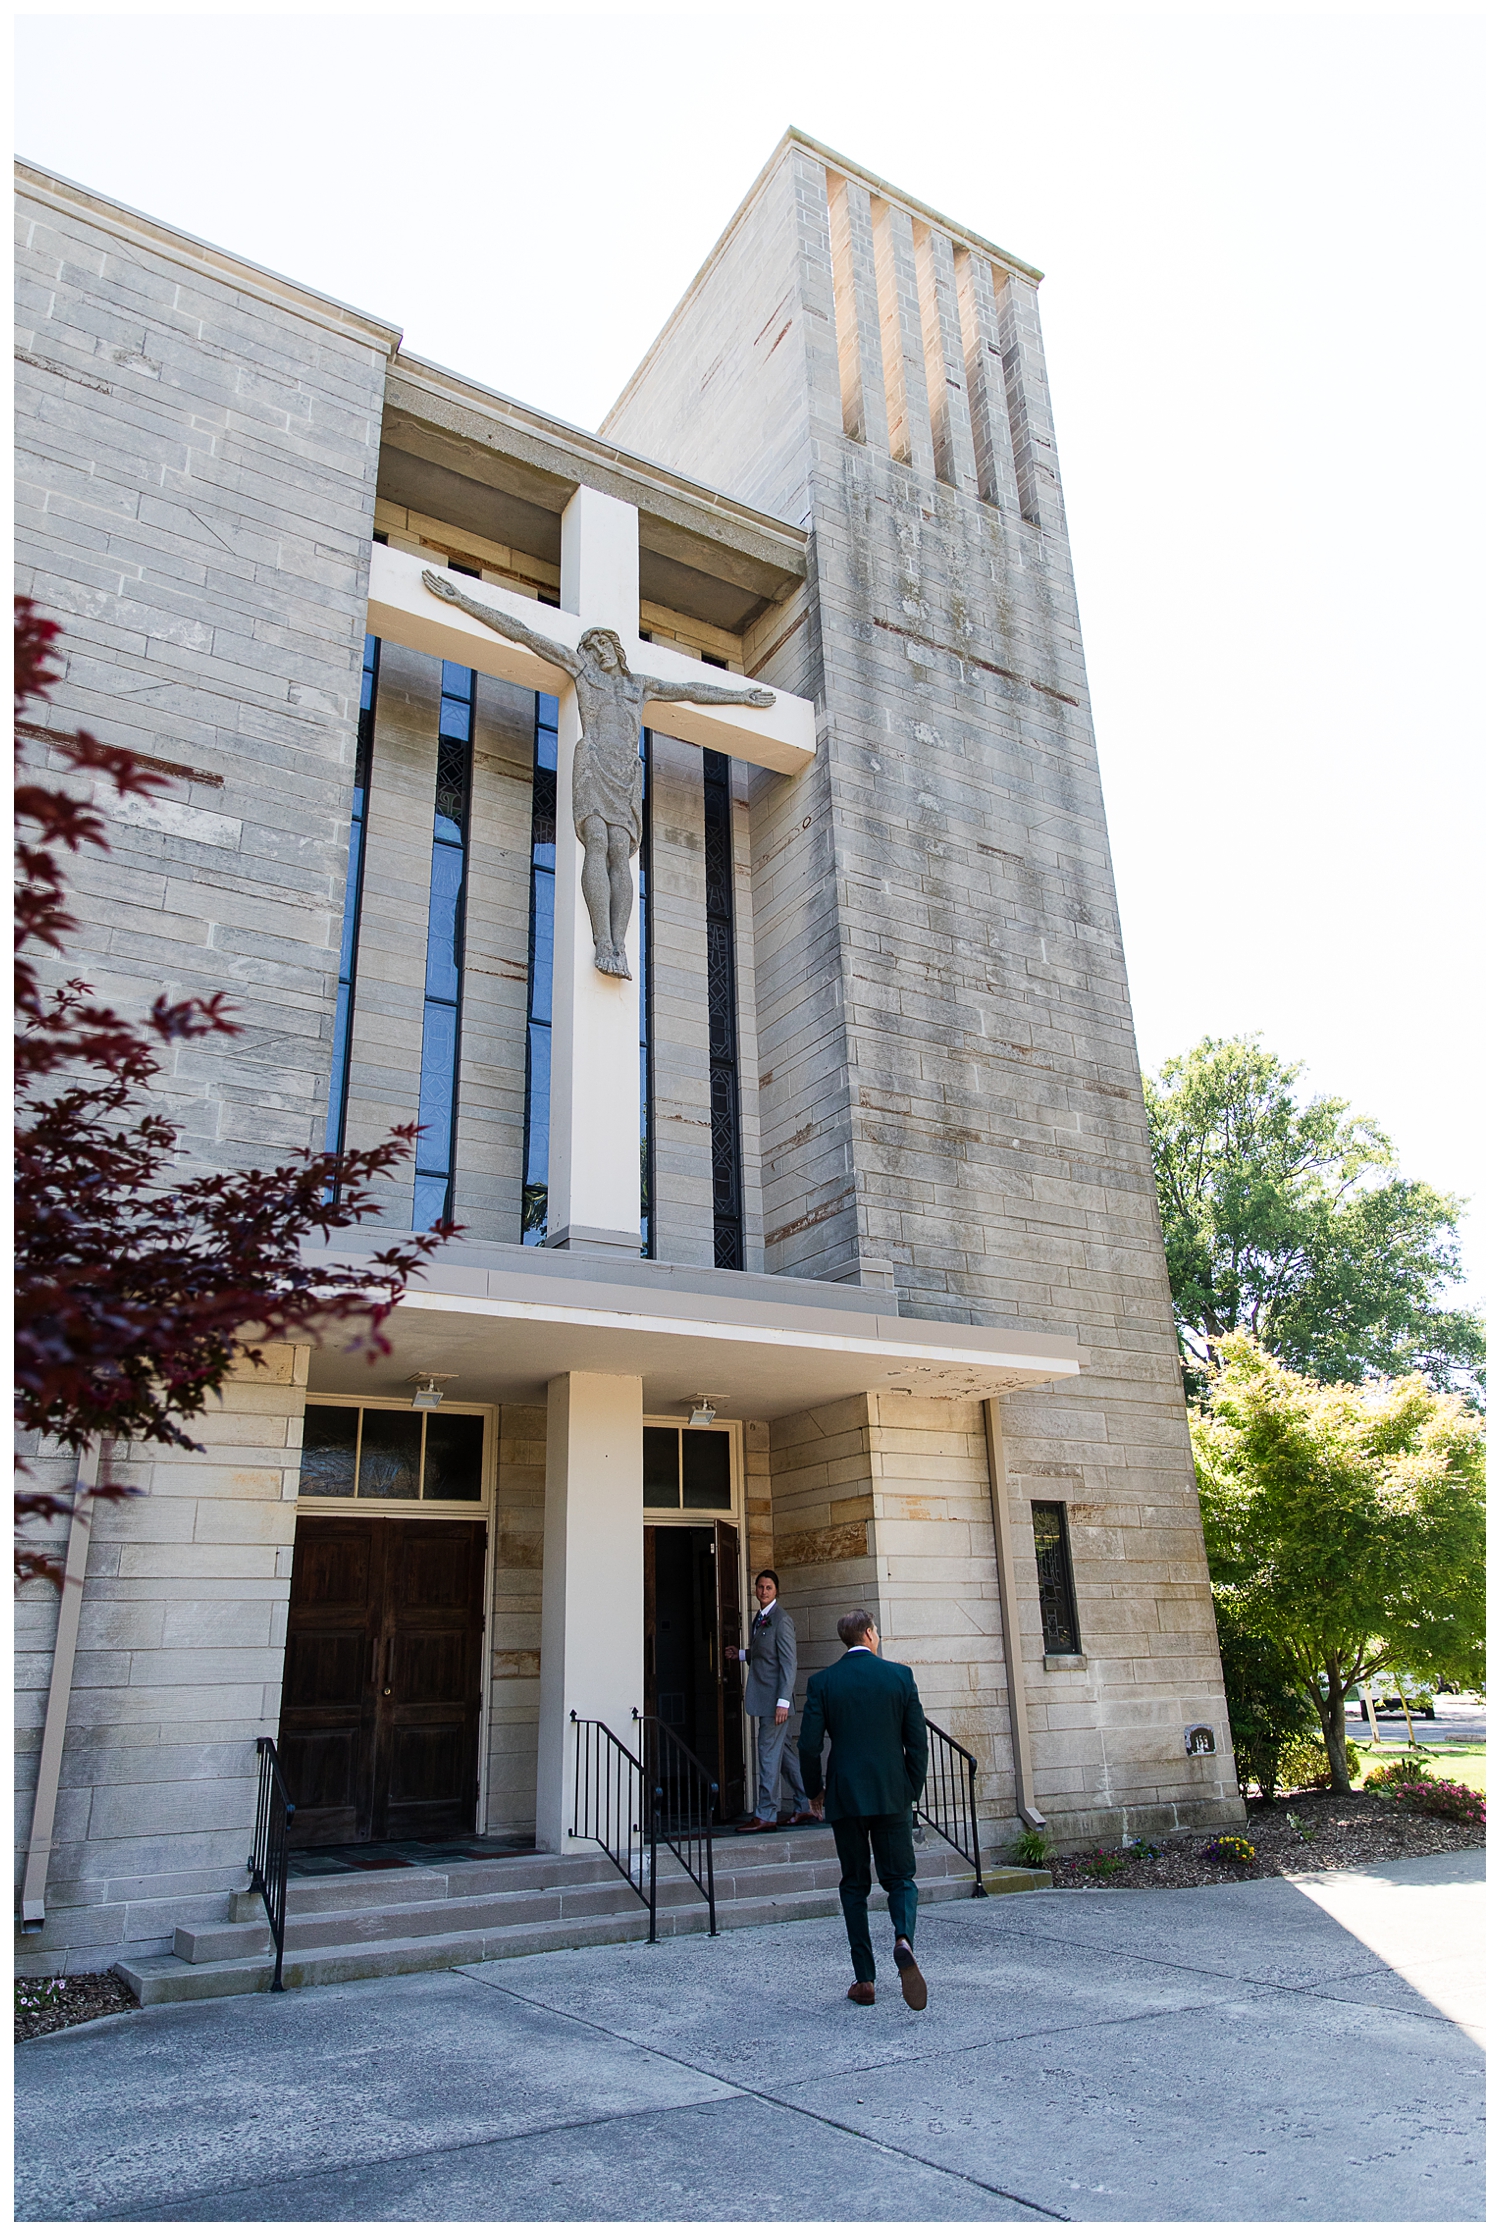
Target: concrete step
(457, 1917)
(210, 1944)
(170, 1979)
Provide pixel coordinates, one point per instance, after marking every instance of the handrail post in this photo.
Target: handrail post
(267, 1864)
(979, 1885)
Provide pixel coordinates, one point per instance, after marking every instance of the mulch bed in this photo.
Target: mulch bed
(43, 2006)
(1339, 1833)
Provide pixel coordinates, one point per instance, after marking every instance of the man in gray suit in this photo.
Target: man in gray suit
(770, 1661)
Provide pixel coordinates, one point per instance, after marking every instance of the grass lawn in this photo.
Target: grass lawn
(1463, 1764)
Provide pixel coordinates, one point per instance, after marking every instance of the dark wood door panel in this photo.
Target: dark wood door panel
(383, 1678)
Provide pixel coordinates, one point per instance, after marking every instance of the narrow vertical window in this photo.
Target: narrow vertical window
(437, 1107)
(723, 1036)
(539, 970)
(1054, 1577)
(643, 903)
(354, 887)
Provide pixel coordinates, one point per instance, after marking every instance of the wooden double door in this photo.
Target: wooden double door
(692, 1614)
(383, 1682)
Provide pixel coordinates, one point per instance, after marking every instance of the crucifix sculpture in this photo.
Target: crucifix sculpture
(607, 794)
(588, 651)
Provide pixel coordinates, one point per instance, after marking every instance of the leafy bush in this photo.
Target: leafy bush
(1033, 1847)
(1305, 1763)
(1400, 1773)
(1440, 1797)
(1269, 1710)
(1232, 1848)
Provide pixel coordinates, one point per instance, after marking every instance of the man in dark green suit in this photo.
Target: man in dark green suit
(870, 1710)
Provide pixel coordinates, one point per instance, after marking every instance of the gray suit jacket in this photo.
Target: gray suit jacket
(770, 1662)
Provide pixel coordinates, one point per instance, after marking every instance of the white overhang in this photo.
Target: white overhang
(764, 1347)
(780, 737)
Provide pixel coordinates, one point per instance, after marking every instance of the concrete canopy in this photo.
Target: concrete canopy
(508, 1321)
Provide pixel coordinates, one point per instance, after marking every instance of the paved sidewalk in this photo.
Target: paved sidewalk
(1220, 2053)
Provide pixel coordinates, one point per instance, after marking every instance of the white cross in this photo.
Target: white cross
(594, 1156)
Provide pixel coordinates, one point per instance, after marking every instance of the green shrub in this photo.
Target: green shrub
(1305, 1763)
(1033, 1847)
(1401, 1773)
(1268, 1709)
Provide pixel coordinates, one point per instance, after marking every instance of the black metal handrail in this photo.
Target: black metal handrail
(609, 1788)
(950, 1799)
(684, 1799)
(267, 1862)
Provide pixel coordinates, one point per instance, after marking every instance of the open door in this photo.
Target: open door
(650, 1656)
(731, 1674)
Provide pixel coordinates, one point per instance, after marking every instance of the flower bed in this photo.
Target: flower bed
(43, 2006)
(1437, 1797)
(1314, 1832)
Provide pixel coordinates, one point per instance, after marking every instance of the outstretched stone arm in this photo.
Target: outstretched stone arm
(546, 648)
(706, 694)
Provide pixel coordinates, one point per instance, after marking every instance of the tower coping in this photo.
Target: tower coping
(889, 193)
(793, 136)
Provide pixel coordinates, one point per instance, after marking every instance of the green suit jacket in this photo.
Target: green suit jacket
(870, 1710)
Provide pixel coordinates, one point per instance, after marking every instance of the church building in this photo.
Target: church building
(696, 826)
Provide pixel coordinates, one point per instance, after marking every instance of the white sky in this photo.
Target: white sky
(1261, 229)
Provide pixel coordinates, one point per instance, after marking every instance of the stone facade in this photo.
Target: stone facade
(940, 1101)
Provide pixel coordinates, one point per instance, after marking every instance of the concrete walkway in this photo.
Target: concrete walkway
(1228, 2053)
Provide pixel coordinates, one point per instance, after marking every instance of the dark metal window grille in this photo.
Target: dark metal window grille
(1054, 1577)
(437, 1106)
(354, 893)
(539, 970)
(723, 1036)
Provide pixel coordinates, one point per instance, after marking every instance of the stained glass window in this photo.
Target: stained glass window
(354, 886)
(723, 1036)
(437, 1102)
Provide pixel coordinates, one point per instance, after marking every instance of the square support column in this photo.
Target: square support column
(593, 1581)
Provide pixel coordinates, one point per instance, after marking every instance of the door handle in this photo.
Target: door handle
(390, 1647)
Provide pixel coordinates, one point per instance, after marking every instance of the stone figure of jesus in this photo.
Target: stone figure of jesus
(607, 792)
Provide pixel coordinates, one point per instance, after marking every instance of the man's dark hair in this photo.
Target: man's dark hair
(775, 1579)
(855, 1625)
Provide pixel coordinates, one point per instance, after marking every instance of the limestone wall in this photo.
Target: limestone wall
(516, 1634)
(180, 1645)
(195, 486)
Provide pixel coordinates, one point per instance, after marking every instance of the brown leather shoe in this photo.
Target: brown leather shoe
(806, 1817)
(863, 1991)
(913, 1986)
(756, 1824)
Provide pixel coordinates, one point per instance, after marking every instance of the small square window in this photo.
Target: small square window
(705, 1470)
(454, 1461)
(329, 1433)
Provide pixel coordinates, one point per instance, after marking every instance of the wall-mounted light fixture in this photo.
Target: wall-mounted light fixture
(702, 1416)
(428, 1395)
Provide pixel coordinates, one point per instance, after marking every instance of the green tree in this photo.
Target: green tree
(1344, 1524)
(1287, 1221)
